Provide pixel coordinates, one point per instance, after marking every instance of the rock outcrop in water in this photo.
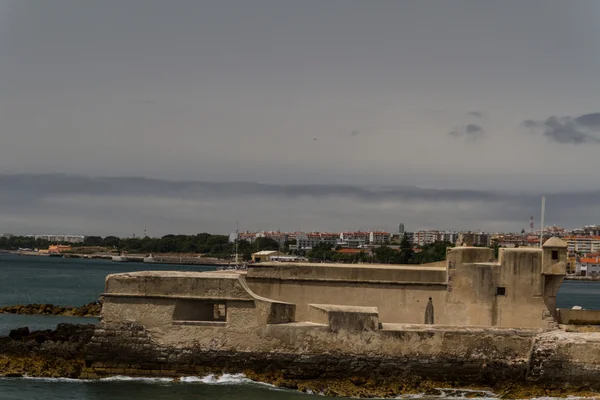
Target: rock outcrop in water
(46, 353)
(89, 310)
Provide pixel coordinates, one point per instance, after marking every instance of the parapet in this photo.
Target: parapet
(349, 318)
(174, 284)
(349, 273)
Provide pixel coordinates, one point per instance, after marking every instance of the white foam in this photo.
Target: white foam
(65, 380)
(225, 379)
(121, 378)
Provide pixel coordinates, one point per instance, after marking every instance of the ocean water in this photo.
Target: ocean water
(74, 282)
(231, 387)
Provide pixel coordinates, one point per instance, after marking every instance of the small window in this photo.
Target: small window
(200, 311)
(500, 291)
(554, 254)
(219, 312)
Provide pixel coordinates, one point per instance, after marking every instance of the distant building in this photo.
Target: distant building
(354, 240)
(279, 237)
(379, 237)
(591, 230)
(474, 239)
(265, 255)
(306, 241)
(582, 244)
(401, 229)
(421, 238)
(588, 266)
(59, 249)
(59, 238)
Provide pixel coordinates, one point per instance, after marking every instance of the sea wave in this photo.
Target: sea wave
(211, 379)
(217, 379)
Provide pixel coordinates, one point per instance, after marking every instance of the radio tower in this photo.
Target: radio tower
(531, 224)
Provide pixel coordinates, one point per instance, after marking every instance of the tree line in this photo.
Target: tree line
(203, 243)
(404, 254)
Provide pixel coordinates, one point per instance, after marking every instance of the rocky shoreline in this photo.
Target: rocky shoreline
(92, 309)
(58, 353)
(63, 352)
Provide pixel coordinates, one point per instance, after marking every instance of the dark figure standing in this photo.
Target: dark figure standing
(429, 313)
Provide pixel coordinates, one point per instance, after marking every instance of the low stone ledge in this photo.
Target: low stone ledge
(221, 324)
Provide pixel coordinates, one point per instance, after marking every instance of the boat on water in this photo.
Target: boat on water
(241, 267)
(237, 266)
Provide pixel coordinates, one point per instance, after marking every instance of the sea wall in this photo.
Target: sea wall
(516, 363)
(301, 354)
(451, 355)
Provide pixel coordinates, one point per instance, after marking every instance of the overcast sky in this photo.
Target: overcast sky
(488, 99)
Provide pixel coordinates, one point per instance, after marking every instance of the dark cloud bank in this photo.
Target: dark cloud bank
(568, 130)
(124, 206)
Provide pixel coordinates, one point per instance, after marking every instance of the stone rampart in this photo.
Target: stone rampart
(462, 356)
(449, 356)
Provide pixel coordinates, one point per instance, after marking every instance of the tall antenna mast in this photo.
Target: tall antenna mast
(237, 235)
(531, 224)
(542, 221)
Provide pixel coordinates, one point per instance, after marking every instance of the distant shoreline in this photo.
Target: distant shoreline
(582, 278)
(139, 258)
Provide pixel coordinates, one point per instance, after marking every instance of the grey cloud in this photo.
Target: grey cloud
(469, 131)
(589, 120)
(354, 132)
(530, 124)
(123, 206)
(568, 130)
(476, 114)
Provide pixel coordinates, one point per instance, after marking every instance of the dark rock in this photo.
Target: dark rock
(92, 309)
(19, 333)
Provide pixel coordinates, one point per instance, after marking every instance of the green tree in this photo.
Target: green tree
(387, 255)
(406, 250)
(321, 252)
(432, 252)
(264, 243)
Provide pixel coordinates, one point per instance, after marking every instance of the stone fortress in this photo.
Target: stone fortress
(470, 319)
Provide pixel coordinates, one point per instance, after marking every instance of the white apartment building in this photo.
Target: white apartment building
(582, 244)
(379, 237)
(421, 238)
(588, 266)
(59, 238)
(354, 240)
(306, 241)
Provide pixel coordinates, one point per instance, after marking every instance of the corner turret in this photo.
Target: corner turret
(554, 269)
(554, 257)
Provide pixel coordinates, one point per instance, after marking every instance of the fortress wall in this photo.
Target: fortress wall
(403, 303)
(350, 272)
(310, 352)
(446, 355)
